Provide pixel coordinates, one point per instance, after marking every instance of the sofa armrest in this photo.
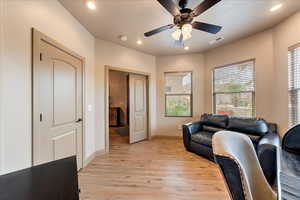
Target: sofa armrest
(193, 127)
(188, 130)
(270, 139)
(266, 153)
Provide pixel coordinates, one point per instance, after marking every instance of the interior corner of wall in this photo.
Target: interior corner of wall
(2, 18)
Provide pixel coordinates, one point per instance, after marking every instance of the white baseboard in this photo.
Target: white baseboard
(89, 159)
(170, 134)
(165, 136)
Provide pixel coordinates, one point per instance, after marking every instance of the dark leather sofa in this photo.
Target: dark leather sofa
(197, 138)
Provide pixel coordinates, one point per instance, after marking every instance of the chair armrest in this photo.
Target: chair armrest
(266, 153)
(188, 130)
(241, 169)
(291, 139)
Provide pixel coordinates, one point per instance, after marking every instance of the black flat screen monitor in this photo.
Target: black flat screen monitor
(56, 180)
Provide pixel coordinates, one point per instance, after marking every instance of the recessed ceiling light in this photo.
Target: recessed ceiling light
(91, 4)
(139, 42)
(123, 38)
(186, 48)
(276, 7)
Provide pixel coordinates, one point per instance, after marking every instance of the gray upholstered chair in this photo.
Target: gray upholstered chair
(236, 157)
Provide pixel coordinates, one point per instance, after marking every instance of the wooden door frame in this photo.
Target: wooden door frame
(108, 68)
(38, 36)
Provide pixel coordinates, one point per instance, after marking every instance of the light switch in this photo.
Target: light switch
(90, 107)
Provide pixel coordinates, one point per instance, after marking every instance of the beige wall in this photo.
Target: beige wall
(270, 49)
(118, 93)
(171, 126)
(52, 19)
(1, 79)
(259, 47)
(114, 55)
(285, 35)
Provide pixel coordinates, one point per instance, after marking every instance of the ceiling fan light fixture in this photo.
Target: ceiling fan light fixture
(186, 48)
(91, 4)
(176, 34)
(183, 20)
(139, 42)
(186, 36)
(185, 31)
(276, 7)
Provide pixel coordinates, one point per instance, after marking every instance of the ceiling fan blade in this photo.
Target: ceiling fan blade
(158, 30)
(207, 4)
(210, 28)
(170, 6)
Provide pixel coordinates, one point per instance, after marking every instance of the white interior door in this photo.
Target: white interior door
(57, 110)
(138, 124)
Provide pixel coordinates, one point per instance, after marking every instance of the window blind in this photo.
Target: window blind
(234, 89)
(294, 85)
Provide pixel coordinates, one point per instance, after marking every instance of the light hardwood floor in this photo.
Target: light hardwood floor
(160, 169)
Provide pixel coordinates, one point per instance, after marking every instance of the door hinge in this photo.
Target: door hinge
(41, 117)
(41, 56)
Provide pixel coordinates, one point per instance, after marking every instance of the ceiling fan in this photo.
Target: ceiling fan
(183, 20)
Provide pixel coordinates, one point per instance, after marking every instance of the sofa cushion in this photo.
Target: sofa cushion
(219, 121)
(203, 137)
(211, 129)
(252, 126)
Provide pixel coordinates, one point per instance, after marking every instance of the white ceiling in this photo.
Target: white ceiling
(239, 18)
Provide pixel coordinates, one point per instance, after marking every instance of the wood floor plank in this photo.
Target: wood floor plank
(159, 169)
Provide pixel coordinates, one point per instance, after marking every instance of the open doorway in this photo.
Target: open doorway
(127, 107)
(119, 106)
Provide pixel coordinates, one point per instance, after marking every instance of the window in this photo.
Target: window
(294, 84)
(178, 94)
(234, 89)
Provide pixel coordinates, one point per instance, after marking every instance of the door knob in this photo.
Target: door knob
(78, 120)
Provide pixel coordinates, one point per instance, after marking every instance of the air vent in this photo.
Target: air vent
(219, 39)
